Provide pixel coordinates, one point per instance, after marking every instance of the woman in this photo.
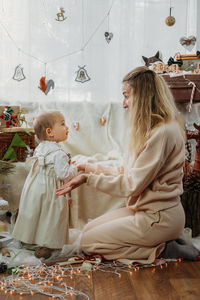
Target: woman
(150, 180)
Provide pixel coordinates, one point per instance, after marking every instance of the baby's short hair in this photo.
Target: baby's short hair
(43, 121)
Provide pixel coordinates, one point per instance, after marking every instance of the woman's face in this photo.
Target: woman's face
(126, 91)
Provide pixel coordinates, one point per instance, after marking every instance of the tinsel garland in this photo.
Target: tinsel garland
(48, 280)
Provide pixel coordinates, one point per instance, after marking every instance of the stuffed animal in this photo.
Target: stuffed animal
(151, 60)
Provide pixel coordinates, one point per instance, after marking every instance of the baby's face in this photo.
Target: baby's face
(60, 130)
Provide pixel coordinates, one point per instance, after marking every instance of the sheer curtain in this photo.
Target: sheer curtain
(32, 38)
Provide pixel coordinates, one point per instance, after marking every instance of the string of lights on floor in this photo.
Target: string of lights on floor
(50, 280)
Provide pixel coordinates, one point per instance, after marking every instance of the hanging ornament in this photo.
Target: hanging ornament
(188, 43)
(60, 15)
(170, 20)
(46, 86)
(82, 75)
(76, 125)
(102, 121)
(43, 85)
(108, 36)
(9, 117)
(19, 74)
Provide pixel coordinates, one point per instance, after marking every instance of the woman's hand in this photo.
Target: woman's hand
(81, 167)
(72, 184)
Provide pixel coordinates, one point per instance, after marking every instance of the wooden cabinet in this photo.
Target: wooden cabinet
(181, 89)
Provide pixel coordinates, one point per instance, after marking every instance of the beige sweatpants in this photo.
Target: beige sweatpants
(132, 236)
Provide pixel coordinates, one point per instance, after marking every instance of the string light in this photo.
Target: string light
(41, 279)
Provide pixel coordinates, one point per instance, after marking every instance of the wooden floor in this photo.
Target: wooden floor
(174, 281)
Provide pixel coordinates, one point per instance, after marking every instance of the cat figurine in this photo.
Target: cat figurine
(151, 60)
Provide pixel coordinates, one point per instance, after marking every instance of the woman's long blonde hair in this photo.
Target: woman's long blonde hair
(152, 104)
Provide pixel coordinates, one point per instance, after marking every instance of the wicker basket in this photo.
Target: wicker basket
(21, 152)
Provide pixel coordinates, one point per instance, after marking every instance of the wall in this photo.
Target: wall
(31, 36)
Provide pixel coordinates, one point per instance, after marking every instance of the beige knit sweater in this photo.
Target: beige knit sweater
(153, 181)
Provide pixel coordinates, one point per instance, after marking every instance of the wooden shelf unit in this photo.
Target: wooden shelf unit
(181, 89)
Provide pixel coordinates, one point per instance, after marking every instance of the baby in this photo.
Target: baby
(43, 217)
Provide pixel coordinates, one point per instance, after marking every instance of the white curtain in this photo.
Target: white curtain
(32, 38)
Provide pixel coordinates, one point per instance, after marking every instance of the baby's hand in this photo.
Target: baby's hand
(81, 167)
(72, 184)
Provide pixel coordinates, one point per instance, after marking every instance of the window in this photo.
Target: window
(39, 45)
